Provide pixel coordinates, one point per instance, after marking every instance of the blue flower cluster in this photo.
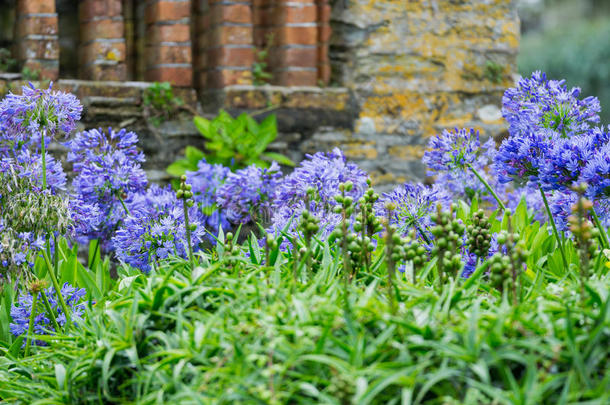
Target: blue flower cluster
(155, 230)
(27, 116)
(22, 309)
(108, 175)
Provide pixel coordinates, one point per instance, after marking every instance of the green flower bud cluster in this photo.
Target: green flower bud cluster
(366, 225)
(505, 269)
(184, 192)
(479, 235)
(345, 207)
(585, 233)
(341, 389)
(309, 226)
(448, 233)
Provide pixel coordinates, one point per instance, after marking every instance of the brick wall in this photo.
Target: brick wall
(36, 37)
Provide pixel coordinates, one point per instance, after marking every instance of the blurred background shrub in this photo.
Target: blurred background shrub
(568, 39)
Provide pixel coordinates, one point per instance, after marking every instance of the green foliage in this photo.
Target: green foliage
(494, 72)
(7, 63)
(30, 74)
(160, 102)
(233, 142)
(260, 74)
(232, 330)
(578, 52)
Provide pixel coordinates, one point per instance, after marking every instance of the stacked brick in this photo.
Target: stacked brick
(225, 43)
(102, 35)
(36, 35)
(289, 36)
(231, 37)
(168, 42)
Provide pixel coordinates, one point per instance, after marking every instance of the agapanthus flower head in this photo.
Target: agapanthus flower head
(448, 157)
(18, 250)
(205, 182)
(455, 150)
(246, 195)
(567, 157)
(22, 308)
(537, 103)
(596, 173)
(154, 232)
(520, 158)
(313, 186)
(108, 174)
(323, 172)
(413, 205)
(29, 165)
(35, 112)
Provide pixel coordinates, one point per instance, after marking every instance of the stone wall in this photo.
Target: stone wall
(392, 73)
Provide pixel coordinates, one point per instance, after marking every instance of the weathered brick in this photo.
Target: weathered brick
(324, 11)
(39, 49)
(89, 9)
(295, 13)
(324, 33)
(296, 35)
(112, 52)
(294, 57)
(168, 11)
(225, 77)
(102, 29)
(324, 73)
(169, 33)
(177, 76)
(231, 13)
(48, 69)
(110, 72)
(157, 54)
(231, 56)
(35, 6)
(37, 26)
(296, 78)
(235, 35)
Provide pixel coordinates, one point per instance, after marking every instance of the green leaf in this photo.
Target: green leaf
(181, 166)
(278, 157)
(193, 155)
(204, 127)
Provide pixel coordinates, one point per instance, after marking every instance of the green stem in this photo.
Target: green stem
(124, 206)
(93, 259)
(60, 297)
(602, 231)
(188, 232)
(31, 325)
(552, 221)
(44, 161)
(487, 186)
(47, 307)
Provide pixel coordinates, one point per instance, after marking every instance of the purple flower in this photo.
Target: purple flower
(205, 182)
(27, 116)
(414, 204)
(22, 308)
(29, 165)
(567, 158)
(246, 195)
(108, 174)
(322, 173)
(596, 173)
(537, 103)
(455, 150)
(155, 230)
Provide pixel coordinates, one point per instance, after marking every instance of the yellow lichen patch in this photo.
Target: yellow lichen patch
(407, 152)
(360, 150)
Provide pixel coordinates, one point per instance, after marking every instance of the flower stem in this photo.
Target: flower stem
(47, 307)
(602, 231)
(187, 225)
(552, 221)
(44, 160)
(60, 297)
(124, 206)
(487, 186)
(31, 325)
